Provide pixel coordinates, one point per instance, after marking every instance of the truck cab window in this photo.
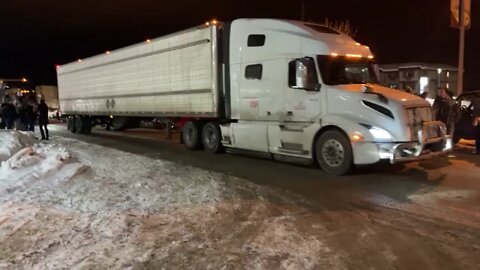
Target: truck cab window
(302, 74)
(256, 40)
(254, 72)
(336, 70)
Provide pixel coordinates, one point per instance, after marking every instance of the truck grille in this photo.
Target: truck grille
(415, 119)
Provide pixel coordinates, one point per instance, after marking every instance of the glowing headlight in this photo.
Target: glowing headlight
(380, 134)
(448, 145)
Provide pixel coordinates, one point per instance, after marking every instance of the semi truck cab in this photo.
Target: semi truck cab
(301, 91)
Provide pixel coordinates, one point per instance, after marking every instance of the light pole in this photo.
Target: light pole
(302, 10)
(438, 77)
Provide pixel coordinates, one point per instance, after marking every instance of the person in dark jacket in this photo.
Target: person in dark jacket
(9, 114)
(445, 109)
(30, 115)
(476, 123)
(43, 119)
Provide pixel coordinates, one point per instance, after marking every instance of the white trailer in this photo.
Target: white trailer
(291, 90)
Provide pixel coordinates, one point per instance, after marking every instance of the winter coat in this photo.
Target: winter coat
(9, 111)
(30, 115)
(446, 110)
(42, 114)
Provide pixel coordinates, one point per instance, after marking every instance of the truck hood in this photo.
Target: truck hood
(393, 95)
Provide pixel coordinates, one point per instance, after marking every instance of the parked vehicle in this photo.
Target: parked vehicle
(291, 90)
(464, 129)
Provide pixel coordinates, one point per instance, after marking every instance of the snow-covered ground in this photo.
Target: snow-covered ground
(68, 204)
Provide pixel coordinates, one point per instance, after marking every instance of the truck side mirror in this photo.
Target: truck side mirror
(302, 74)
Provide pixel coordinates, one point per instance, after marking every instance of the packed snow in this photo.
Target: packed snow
(69, 204)
(13, 141)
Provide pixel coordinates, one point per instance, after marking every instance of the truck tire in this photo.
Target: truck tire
(334, 153)
(71, 124)
(119, 123)
(212, 138)
(191, 135)
(79, 125)
(87, 125)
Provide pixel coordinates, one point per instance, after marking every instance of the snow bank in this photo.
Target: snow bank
(41, 161)
(13, 141)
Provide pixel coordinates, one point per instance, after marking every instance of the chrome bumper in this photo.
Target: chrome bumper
(432, 133)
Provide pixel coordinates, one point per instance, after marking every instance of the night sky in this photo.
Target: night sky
(37, 34)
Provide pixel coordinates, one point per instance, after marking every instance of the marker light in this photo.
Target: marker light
(148, 40)
(354, 55)
(356, 137)
(334, 54)
(79, 60)
(370, 57)
(358, 44)
(107, 52)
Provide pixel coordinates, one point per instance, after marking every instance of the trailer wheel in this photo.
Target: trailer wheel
(212, 138)
(334, 153)
(191, 135)
(79, 125)
(71, 124)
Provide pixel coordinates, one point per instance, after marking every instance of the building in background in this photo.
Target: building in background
(420, 77)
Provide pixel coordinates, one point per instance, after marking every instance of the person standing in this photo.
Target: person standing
(21, 123)
(446, 110)
(43, 119)
(9, 114)
(476, 123)
(30, 115)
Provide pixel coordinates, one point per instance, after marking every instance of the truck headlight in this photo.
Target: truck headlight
(380, 134)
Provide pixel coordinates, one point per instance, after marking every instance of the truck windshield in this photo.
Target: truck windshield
(337, 70)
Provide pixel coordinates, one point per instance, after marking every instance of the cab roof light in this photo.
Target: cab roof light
(334, 54)
(354, 55)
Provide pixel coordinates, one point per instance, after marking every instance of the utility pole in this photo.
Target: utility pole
(302, 10)
(461, 53)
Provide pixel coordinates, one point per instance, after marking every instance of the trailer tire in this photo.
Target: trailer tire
(212, 138)
(79, 125)
(334, 153)
(71, 124)
(192, 135)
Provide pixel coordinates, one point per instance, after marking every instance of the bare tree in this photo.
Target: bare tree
(341, 26)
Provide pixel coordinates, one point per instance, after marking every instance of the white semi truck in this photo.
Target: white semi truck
(291, 90)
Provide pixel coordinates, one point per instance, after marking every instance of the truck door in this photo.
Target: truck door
(302, 95)
(301, 110)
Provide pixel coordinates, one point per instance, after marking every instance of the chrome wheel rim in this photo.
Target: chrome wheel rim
(333, 153)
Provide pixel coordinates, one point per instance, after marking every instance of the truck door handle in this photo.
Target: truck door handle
(268, 113)
(289, 113)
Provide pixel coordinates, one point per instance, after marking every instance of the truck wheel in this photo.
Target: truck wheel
(191, 135)
(333, 152)
(79, 124)
(212, 138)
(71, 124)
(87, 125)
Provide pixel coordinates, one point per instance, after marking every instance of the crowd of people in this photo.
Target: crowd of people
(23, 114)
